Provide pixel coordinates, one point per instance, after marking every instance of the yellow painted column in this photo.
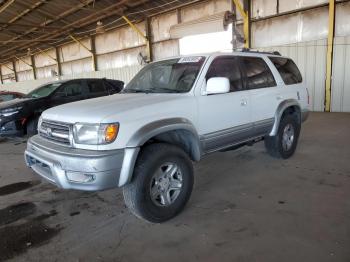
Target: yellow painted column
(330, 41)
(245, 15)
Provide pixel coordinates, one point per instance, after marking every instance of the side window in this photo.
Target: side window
(73, 89)
(287, 69)
(227, 66)
(96, 87)
(258, 74)
(114, 86)
(6, 97)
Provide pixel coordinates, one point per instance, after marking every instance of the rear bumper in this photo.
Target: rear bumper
(71, 168)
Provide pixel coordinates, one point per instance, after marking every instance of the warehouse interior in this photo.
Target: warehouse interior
(246, 206)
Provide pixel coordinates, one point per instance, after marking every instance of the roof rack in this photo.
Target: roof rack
(249, 50)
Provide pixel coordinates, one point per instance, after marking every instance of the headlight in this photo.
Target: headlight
(95, 134)
(10, 111)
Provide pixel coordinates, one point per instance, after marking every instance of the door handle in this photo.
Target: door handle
(244, 102)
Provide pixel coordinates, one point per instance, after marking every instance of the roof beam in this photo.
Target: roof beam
(30, 25)
(19, 16)
(45, 13)
(6, 5)
(101, 14)
(64, 14)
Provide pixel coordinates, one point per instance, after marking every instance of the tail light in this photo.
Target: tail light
(308, 96)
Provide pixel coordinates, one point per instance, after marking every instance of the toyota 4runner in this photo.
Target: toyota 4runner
(171, 113)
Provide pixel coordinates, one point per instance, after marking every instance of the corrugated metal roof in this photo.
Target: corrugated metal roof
(45, 23)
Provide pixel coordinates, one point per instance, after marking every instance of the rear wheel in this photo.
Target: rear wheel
(162, 183)
(283, 145)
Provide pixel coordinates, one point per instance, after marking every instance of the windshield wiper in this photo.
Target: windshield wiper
(167, 90)
(137, 91)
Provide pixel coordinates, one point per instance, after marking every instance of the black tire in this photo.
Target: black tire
(274, 144)
(32, 126)
(137, 194)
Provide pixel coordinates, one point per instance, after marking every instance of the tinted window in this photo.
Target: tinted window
(6, 97)
(287, 69)
(96, 87)
(227, 67)
(114, 86)
(44, 90)
(73, 89)
(258, 74)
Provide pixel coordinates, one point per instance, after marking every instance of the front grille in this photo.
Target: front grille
(55, 132)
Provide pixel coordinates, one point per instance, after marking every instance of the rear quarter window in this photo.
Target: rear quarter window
(287, 69)
(114, 86)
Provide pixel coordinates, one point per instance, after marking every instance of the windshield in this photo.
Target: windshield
(170, 76)
(43, 91)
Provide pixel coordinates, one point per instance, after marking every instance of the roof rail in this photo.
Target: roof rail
(249, 50)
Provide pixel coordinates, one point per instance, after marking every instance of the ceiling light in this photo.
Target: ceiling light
(100, 28)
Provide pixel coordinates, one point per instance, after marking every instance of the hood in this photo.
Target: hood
(98, 109)
(14, 103)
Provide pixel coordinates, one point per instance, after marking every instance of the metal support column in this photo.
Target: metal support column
(330, 41)
(245, 13)
(14, 69)
(146, 38)
(32, 59)
(149, 41)
(58, 60)
(87, 49)
(93, 53)
(1, 80)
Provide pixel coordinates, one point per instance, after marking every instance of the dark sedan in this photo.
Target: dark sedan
(20, 116)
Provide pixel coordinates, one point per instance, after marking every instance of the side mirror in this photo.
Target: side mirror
(218, 85)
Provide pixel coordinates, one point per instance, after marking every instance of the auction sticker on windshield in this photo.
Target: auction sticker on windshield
(190, 59)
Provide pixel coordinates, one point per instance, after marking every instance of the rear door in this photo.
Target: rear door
(264, 92)
(225, 119)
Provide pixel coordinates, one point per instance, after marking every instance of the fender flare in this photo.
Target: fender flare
(161, 126)
(142, 135)
(279, 112)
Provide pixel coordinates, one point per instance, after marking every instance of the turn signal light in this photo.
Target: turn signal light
(111, 132)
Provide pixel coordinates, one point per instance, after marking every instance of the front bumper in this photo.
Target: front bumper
(72, 168)
(10, 128)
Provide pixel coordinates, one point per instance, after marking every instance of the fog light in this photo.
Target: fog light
(80, 177)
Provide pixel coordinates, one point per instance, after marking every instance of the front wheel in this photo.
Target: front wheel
(32, 126)
(283, 145)
(162, 183)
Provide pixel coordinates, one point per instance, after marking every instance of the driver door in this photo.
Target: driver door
(225, 119)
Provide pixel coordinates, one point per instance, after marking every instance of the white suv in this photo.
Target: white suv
(172, 112)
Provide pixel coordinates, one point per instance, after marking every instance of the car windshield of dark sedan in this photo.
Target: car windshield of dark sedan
(43, 91)
(170, 76)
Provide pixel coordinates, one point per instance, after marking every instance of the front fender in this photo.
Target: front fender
(142, 135)
(161, 126)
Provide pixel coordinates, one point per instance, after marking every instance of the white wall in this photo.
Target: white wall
(310, 58)
(125, 74)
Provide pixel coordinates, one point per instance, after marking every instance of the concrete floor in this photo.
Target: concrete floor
(246, 206)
